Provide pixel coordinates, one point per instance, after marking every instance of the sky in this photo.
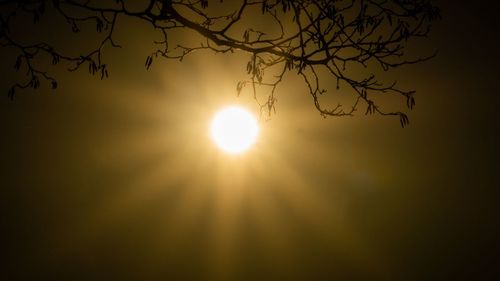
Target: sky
(119, 179)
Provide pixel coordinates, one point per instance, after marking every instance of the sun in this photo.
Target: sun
(234, 129)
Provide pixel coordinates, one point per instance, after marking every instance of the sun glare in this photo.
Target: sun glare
(234, 129)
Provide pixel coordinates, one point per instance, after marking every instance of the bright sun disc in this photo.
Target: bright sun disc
(234, 129)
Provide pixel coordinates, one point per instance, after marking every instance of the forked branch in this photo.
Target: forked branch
(321, 41)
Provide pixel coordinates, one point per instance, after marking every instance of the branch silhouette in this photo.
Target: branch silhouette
(320, 41)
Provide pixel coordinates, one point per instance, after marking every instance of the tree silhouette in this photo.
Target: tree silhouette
(324, 42)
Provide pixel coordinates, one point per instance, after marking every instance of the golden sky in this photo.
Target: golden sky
(119, 178)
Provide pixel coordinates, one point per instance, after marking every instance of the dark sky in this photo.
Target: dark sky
(118, 180)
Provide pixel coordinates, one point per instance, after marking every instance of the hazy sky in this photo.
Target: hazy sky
(119, 180)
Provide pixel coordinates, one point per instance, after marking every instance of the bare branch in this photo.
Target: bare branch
(320, 41)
